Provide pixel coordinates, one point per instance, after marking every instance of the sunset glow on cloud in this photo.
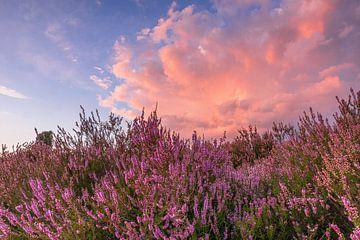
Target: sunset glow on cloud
(207, 65)
(246, 62)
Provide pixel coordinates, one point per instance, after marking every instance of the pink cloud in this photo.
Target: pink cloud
(330, 71)
(346, 31)
(329, 84)
(216, 72)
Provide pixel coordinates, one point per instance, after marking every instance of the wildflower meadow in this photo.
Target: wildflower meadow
(143, 181)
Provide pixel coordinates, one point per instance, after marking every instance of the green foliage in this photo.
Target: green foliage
(45, 137)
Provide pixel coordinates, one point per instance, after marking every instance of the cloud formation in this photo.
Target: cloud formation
(104, 83)
(248, 62)
(11, 92)
(56, 33)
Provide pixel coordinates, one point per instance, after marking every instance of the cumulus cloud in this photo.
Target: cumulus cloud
(11, 92)
(249, 62)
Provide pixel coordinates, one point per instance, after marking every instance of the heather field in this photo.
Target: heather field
(146, 182)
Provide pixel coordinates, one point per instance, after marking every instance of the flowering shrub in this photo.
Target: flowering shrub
(146, 182)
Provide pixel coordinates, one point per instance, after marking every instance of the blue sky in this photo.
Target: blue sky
(211, 66)
(49, 50)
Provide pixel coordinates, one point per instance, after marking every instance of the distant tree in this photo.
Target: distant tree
(45, 137)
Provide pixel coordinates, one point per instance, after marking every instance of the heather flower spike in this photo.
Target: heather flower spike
(106, 180)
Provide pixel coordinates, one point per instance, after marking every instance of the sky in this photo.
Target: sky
(210, 66)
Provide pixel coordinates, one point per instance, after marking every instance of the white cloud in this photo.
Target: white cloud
(99, 69)
(104, 83)
(11, 92)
